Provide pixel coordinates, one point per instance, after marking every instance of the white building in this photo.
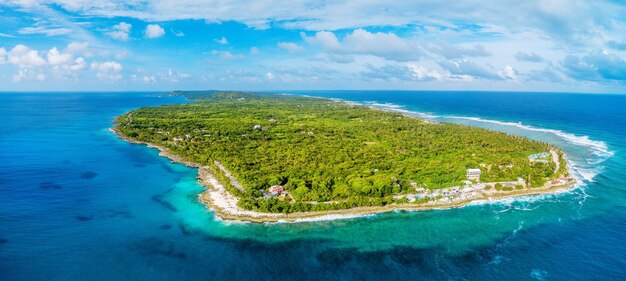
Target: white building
(473, 174)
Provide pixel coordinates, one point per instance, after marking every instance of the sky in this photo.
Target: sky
(142, 45)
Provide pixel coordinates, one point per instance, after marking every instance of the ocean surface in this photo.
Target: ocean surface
(77, 203)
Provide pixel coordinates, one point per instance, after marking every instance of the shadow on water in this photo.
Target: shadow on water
(160, 198)
(84, 218)
(189, 230)
(154, 246)
(88, 175)
(119, 213)
(48, 185)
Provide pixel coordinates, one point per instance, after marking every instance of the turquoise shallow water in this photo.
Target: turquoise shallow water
(77, 203)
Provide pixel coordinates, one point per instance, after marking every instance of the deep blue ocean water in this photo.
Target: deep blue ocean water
(77, 203)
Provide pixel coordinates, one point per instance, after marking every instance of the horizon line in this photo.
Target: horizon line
(302, 90)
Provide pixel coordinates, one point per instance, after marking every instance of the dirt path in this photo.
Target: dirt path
(232, 179)
(555, 158)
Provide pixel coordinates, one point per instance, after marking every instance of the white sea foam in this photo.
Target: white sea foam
(598, 148)
(401, 109)
(331, 218)
(586, 173)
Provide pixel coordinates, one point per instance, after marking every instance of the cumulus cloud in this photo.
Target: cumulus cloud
(109, 70)
(25, 57)
(28, 74)
(79, 64)
(530, 57)
(508, 73)
(56, 58)
(221, 41)
(33, 66)
(326, 39)
(120, 31)
(154, 31)
(386, 45)
(381, 44)
(290, 46)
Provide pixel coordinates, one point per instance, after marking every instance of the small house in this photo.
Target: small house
(276, 189)
(473, 174)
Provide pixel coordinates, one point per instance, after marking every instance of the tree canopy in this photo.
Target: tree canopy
(328, 151)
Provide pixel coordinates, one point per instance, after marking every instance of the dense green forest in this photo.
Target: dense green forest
(323, 150)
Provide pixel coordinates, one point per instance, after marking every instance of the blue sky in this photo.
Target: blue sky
(102, 45)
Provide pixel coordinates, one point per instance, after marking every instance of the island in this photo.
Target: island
(268, 158)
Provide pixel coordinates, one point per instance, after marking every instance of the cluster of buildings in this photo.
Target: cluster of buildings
(472, 188)
(539, 158)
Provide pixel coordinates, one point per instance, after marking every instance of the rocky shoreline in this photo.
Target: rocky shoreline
(224, 204)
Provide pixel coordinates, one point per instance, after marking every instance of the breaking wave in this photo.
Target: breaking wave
(598, 148)
(586, 170)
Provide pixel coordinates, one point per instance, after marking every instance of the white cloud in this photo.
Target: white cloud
(55, 57)
(48, 31)
(290, 46)
(360, 41)
(530, 57)
(395, 72)
(79, 64)
(270, 76)
(226, 55)
(178, 33)
(254, 51)
(6, 35)
(508, 73)
(149, 79)
(173, 76)
(28, 74)
(467, 69)
(596, 66)
(3, 56)
(154, 31)
(109, 70)
(77, 47)
(386, 45)
(222, 41)
(559, 18)
(327, 39)
(450, 51)
(422, 73)
(25, 57)
(120, 31)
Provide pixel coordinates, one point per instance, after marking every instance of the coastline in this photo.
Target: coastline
(224, 204)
